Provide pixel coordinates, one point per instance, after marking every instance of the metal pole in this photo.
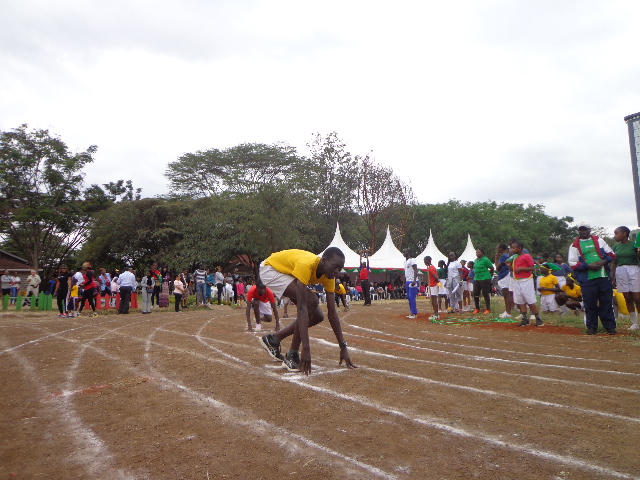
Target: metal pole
(633, 124)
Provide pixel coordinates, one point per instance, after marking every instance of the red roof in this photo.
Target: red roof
(9, 261)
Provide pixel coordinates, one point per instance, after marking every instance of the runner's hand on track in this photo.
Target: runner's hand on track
(305, 360)
(344, 356)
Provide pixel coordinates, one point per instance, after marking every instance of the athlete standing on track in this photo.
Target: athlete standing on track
(363, 276)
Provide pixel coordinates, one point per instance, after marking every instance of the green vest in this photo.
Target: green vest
(590, 255)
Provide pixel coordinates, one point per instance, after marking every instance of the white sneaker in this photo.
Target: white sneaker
(634, 327)
(504, 315)
(412, 316)
(258, 327)
(435, 317)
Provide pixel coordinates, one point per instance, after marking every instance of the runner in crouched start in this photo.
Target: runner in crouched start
(261, 300)
(288, 273)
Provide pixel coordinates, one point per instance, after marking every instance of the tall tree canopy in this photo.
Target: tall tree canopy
(45, 212)
(135, 232)
(489, 223)
(241, 169)
(42, 211)
(383, 199)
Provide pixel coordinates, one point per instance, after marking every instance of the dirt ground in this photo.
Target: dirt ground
(194, 396)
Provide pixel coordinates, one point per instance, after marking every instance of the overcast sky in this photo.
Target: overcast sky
(507, 100)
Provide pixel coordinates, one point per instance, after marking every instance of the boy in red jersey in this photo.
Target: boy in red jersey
(524, 292)
(432, 275)
(261, 300)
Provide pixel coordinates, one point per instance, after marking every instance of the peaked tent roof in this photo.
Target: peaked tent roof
(431, 250)
(469, 252)
(388, 257)
(351, 258)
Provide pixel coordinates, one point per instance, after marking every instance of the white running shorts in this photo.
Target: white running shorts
(523, 291)
(628, 278)
(276, 281)
(504, 282)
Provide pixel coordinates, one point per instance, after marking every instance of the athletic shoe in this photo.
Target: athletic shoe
(412, 316)
(65, 315)
(476, 311)
(634, 327)
(95, 314)
(505, 315)
(272, 348)
(591, 331)
(486, 312)
(435, 317)
(539, 322)
(258, 327)
(59, 315)
(612, 331)
(292, 361)
(524, 322)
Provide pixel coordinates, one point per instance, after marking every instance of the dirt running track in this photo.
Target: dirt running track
(193, 396)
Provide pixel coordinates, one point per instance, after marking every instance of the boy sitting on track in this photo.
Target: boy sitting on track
(288, 273)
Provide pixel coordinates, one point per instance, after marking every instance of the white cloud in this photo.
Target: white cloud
(454, 96)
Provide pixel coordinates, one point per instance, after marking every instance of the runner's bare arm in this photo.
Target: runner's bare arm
(334, 320)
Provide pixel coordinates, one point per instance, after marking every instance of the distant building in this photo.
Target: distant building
(16, 266)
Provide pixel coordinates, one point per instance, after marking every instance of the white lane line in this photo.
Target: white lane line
(491, 393)
(533, 450)
(500, 350)
(465, 337)
(302, 381)
(279, 435)
(498, 360)
(525, 400)
(492, 371)
(527, 449)
(51, 335)
(432, 362)
(90, 452)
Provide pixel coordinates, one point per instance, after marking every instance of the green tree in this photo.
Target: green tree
(250, 226)
(136, 232)
(489, 223)
(332, 180)
(238, 170)
(382, 199)
(43, 214)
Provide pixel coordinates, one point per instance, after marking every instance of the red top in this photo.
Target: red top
(267, 297)
(364, 273)
(523, 260)
(465, 274)
(89, 280)
(433, 276)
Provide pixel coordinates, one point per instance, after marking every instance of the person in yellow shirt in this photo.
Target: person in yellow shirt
(548, 287)
(289, 273)
(570, 296)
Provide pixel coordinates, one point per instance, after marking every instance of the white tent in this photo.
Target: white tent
(351, 258)
(469, 252)
(431, 250)
(388, 257)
